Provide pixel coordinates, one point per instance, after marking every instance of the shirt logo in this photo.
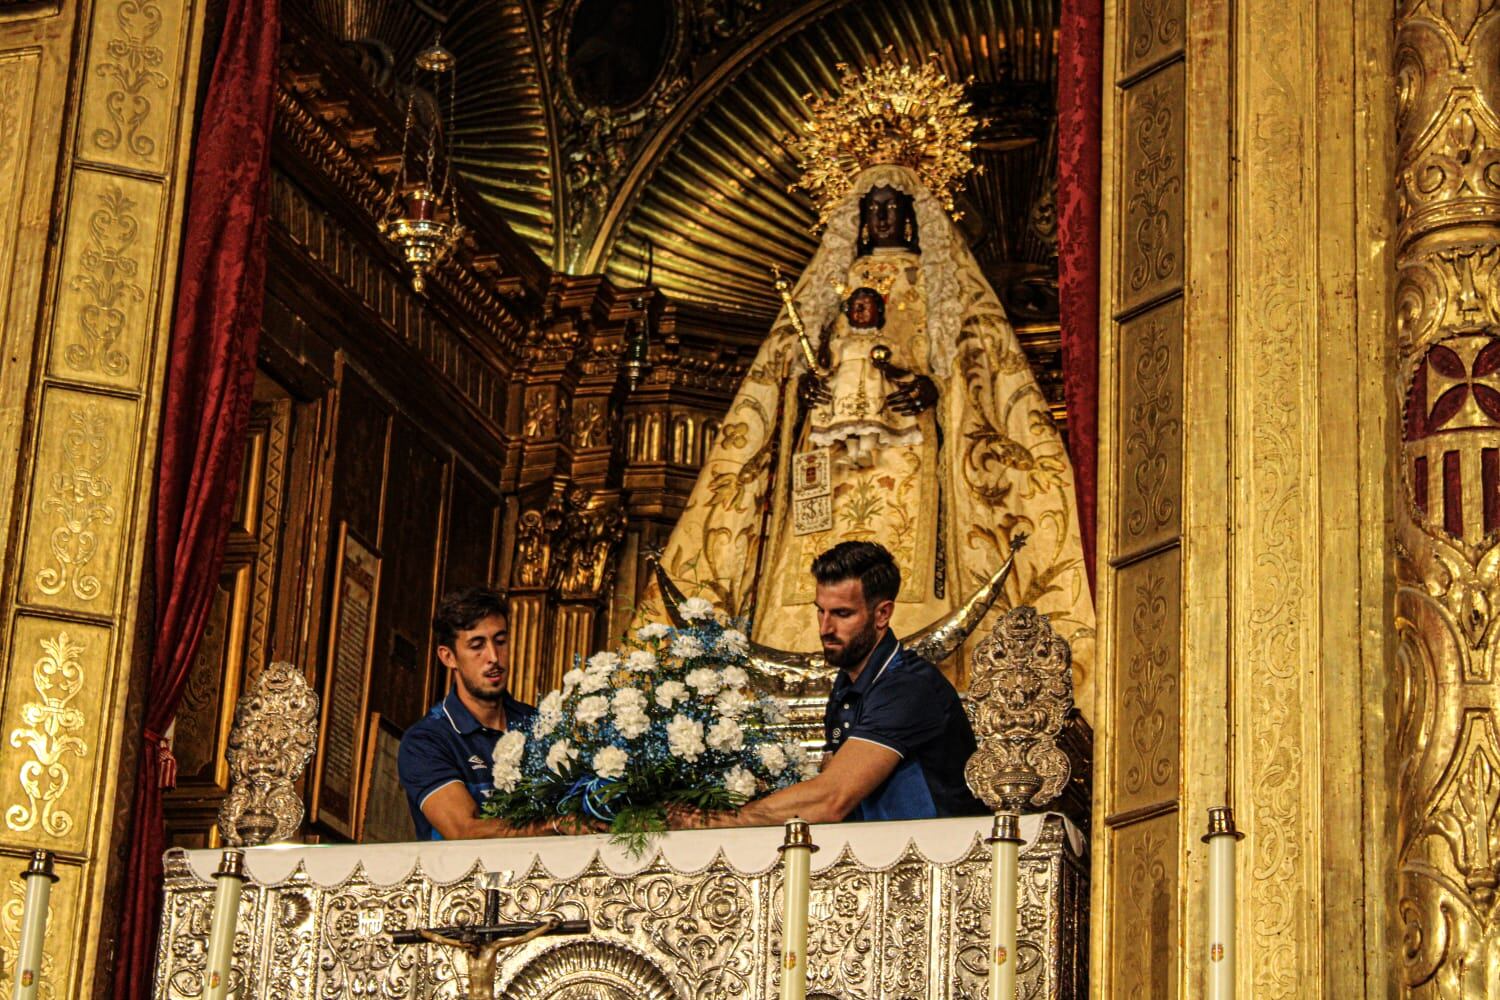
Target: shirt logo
(477, 763)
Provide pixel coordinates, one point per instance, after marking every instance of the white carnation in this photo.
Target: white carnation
(704, 680)
(551, 703)
(731, 703)
(774, 711)
(507, 758)
(610, 762)
(772, 757)
(548, 714)
(734, 642)
(593, 681)
(642, 661)
(668, 693)
(630, 696)
(739, 782)
(604, 661)
(654, 630)
(560, 756)
(685, 738)
(695, 608)
(570, 681)
(797, 756)
(686, 647)
(632, 722)
(591, 709)
(735, 677)
(726, 735)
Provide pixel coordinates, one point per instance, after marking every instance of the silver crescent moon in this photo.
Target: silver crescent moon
(796, 672)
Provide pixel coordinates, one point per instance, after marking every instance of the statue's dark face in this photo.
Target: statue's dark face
(886, 219)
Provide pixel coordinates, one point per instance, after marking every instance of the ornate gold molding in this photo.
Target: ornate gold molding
(1447, 336)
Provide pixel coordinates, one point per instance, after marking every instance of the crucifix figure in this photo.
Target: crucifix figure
(484, 943)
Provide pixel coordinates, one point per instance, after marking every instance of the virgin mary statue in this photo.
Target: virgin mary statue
(890, 402)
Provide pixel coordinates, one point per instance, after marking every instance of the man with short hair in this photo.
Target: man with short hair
(897, 736)
(446, 759)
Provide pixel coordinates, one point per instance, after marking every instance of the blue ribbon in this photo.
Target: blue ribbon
(586, 789)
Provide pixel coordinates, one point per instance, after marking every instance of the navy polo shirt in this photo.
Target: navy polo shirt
(904, 703)
(448, 744)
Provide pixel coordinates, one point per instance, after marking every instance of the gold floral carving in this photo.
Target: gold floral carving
(1148, 679)
(1274, 502)
(79, 497)
(50, 732)
(1151, 424)
(1154, 30)
(1153, 192)
(275, 732)
(1021, 690)
(1447, 332)
(1145, 914)
(108, 280)
(133, 66)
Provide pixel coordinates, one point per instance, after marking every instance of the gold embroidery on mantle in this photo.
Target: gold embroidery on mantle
(49, 733)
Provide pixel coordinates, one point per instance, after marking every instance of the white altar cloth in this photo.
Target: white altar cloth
(751, 851)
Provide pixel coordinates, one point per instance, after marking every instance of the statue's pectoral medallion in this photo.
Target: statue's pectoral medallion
(812, 491)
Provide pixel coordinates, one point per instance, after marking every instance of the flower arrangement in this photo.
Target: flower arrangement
(669, 719)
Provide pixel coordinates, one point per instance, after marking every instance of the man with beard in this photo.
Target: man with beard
(446, 759)
(897, 736)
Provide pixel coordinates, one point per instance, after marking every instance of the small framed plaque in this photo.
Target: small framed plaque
(346, 684)
(383, 815)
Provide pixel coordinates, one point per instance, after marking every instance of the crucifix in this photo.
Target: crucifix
(483, 944)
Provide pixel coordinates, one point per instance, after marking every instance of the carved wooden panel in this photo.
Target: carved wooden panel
(1149, 422)
(473, 519)
(128, 110)
(1151, 198)
(361, 456)
(82, 501)
(53, 714)
(108, 291)
(1147, 691)
(1143, 914)
(18, 80)
(1153, 31)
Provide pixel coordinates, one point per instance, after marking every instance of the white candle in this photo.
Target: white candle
(1006, 843)
(39, 878)
(1221, 838)
(796, 860)
(230, 881)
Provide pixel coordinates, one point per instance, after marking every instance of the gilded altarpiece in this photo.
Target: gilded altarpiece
(86, 281)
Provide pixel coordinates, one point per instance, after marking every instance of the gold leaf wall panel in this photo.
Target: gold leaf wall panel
(1153, 118)
(18, 80)
(90, 277)
(1149, 477)
(106, 299)
(51, 716)
(1142, 916)
(81, 506)
(58, 952)
(1152, 31)
(129, 111)
(1147, 688)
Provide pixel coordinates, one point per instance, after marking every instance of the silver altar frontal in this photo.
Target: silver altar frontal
(898, 910)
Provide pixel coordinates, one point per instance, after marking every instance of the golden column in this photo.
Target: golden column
(1448, 338)
(96, 102)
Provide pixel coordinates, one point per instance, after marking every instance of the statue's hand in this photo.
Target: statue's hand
(912, 396)
(813, 391)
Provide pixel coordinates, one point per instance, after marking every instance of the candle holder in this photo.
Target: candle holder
(1005, 841)
(38, 876)
(229, 884)
(1222, 839)
(796, 857)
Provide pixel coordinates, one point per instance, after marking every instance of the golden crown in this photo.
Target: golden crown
(891, 113)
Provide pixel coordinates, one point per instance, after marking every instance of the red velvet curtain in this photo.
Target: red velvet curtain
(1080, 86)
(210, 375)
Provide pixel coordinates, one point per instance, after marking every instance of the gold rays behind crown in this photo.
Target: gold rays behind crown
(891, 113)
